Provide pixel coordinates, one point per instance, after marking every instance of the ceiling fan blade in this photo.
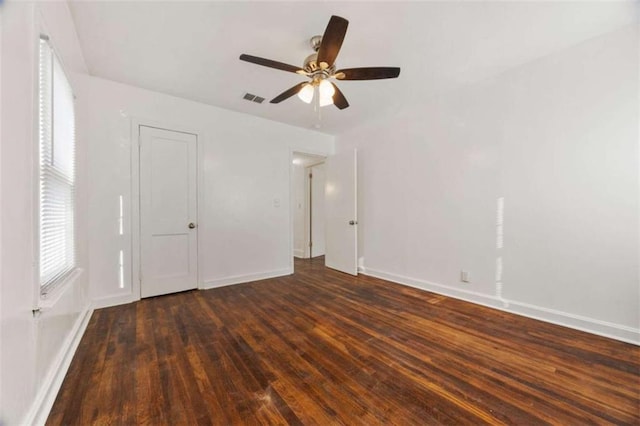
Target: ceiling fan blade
(368, 73)
(288, 93)
(338, 98)
(332, 41)
(269, 63)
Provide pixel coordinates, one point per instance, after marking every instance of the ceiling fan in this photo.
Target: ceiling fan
(320, 67)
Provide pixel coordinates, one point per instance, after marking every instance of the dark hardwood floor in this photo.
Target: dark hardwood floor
(321, 347)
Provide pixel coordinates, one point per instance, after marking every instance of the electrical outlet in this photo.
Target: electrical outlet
(465, 276)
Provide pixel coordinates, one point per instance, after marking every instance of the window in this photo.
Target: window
(57, 171)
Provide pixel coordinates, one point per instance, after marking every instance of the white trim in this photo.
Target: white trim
(553, 316)
(299, 253)
(355, 208)
(200, 201)
(291, 211)
(638, 212)
(240, 279)
(46, 396)
(50, 299)
(136, 122)
(306, 242)
(2, 209)
(134, 221)
(39, 27)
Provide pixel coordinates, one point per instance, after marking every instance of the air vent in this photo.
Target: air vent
(249, 96)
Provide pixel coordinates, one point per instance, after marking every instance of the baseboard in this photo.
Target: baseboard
(107, 302)
(565, 319)
(52, 382)
(298, 253)
(239, 279)
(578, 322)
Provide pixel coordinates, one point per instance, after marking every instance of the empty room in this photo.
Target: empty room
(318, 212)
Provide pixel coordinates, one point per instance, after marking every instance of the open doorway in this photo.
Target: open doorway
(308, 182)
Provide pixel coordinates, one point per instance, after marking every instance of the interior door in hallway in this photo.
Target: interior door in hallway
(168, 211)
(341, 214)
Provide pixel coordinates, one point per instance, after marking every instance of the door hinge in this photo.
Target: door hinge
(310, 244)
(310, 175)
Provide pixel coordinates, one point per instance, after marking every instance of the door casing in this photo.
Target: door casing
(314, 210)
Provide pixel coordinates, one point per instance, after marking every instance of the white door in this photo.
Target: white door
(168, 232)
(317, 209)
(341, 220)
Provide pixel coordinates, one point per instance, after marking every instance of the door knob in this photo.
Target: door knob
(353, 222)
(192, 225)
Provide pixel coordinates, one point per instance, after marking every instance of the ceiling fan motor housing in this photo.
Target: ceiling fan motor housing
(311, 65)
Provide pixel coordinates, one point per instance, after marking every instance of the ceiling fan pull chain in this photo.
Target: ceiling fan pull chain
(318, 107)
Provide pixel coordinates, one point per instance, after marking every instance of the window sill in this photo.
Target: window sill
(48, 300)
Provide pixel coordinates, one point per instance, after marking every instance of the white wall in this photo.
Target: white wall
(245, 172)
(557, 139)
(1, 117)
(32, 348)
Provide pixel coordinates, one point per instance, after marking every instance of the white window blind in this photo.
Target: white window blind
(57, 171)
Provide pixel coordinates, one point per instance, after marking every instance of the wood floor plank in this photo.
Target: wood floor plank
(320, 347)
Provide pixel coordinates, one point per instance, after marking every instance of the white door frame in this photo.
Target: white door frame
(308, 207)
(291, 192)
(135, 194)
(308, 199)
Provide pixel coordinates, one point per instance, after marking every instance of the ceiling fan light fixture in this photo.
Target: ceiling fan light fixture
(326, 89)
(326, 100)
(306, 93)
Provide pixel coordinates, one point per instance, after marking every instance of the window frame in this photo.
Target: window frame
(51, 290)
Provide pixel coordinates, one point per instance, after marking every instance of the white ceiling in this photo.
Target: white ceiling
(191, 49)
